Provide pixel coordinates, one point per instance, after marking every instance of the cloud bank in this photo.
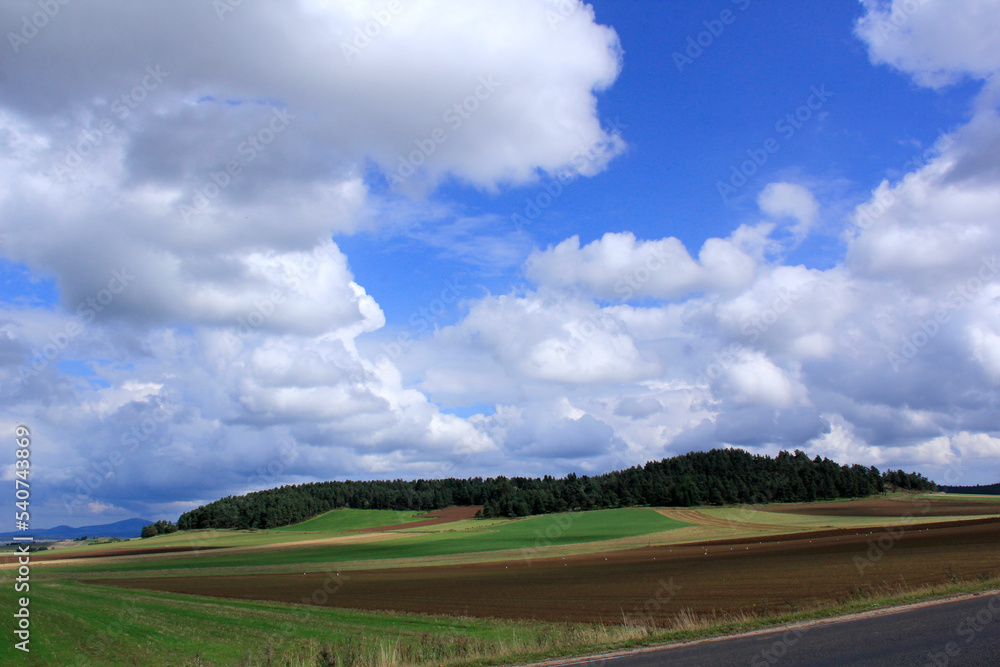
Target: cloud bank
(184, 190)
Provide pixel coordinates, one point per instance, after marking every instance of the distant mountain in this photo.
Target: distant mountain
(121, 529)
(982, 489)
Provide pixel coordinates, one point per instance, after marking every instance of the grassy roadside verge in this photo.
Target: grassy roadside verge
(81, 625)
(688, 627)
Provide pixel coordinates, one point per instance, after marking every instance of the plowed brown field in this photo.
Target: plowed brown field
(775, 573)
(698, 518)
(435, 518)
(870, 508)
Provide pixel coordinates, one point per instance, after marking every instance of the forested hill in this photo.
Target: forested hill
(717, 477)
(981, 489)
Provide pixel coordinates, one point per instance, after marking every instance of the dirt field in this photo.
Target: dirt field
(767, 574)
(871, 508)
(701, 519)
(435, 518)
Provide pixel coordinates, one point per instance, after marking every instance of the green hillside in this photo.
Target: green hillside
(347, 519)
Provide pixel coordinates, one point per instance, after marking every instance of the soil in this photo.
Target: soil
(435, 518)
(917, 507)
(775, 573)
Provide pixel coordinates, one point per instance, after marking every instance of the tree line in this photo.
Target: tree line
(716, 477)
(979, 489)
(158, 528)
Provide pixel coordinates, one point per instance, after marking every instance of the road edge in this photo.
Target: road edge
(776, 629)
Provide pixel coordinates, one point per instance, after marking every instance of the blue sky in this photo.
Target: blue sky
(686, 128)
(226, 288)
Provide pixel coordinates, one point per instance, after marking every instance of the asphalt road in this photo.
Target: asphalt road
(964, 632)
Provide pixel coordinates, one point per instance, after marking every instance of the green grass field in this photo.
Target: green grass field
(93, 625)
(986, 498)
(531, 533)
(75, 624)
(336, 521)
(328, 524)
(226, 537)
(813, 522)
(198, 538)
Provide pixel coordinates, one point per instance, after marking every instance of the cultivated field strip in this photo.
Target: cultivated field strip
(770, 574)
(700, 518)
